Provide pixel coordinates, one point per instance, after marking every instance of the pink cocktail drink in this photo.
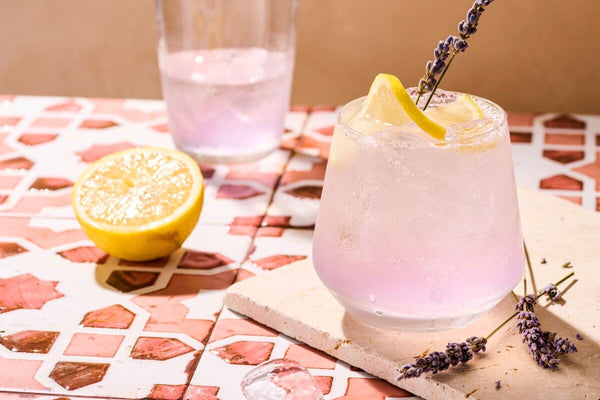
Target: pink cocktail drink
(415, 235)
(226, 104)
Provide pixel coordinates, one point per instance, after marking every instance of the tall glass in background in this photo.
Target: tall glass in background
(414, 235)
(226, 69)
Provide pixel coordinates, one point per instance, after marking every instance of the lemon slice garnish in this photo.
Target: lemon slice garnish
(460, 111)
(139, 204)
(388, 102)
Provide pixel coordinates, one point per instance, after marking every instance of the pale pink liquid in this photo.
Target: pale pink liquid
(413, 236)
(226, 104)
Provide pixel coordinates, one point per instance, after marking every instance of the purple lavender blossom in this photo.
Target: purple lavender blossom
(497, 385)
(543, 346)
(578, 336)
(553, 293)
(450, 47)
(437, 361)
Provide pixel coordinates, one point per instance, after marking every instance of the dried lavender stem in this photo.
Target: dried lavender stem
(439, 80)
(517, 312)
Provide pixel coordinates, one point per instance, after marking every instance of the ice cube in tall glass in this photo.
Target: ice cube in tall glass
(416, 235)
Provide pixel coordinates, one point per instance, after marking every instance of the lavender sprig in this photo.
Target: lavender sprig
(439, 361)
(450, 48)
(527, 324)
(544, 346)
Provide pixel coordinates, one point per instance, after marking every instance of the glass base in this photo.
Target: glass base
(223, 157)
(391, 321)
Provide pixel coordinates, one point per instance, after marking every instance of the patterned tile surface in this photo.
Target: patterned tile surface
(76, 322)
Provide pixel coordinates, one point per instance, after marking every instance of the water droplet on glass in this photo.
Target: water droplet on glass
(378, 312)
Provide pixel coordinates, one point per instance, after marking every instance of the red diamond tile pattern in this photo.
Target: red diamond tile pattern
(75, 375)
(151, 348)
(29, 341)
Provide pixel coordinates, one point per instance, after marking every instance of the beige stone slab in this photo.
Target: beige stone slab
(293, 301)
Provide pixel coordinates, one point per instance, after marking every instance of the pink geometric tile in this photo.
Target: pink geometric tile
(9, 121)
(239, 192)
(162, 128)
(88, 254)
(111, 317)
(20, 374)
(277, 220)
(300, 108)
(254, 221)
(316, 172)
(309, 357)
(323, 107)
(16, 163)
(43, 237)
(276, 261)
(306, 192)
(156, 263)
(520, 119)
(93, 345)
(573, 199)
(151, 348)
(168, 314)
(598, 140)
(565, 138)
(25, 291)
(242, 230)
(75, 375)
(120, 108)
(520, 137)
(375, 389)
(5, 147)
(326, 130)
(57, 123)
(564, 156)
(244, 352)
(270, 231)
(310, 143)
(324, 383)
(3, 198)
(9, 181)
(67, 106)
(127, 281)
(97, 151)
(207, 171)
(166, 392)
(51, 184)
(597, 203)
(561, 181)
(29, 341)
(196, 392)
(592, 170)
(203, 260)
(32, 139)
(565, 121)
(228, 327)
(35, 204)
(244, 274)
(97, 124)
(8, 249)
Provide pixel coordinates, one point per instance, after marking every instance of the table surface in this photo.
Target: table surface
(76, 322)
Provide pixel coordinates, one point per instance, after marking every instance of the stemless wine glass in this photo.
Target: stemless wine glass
(414, 235)
(226, 69)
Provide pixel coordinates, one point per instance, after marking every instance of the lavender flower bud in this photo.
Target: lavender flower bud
(460, 45)
(564, 346)
(526, 303)
(477, 343)
(553, 292)
(484, 2)
(438, 66)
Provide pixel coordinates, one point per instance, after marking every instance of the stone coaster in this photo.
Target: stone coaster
(293, 301)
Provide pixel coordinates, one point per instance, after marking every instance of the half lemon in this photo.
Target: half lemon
(139, 204)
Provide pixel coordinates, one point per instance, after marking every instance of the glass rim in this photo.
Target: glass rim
(496, 126)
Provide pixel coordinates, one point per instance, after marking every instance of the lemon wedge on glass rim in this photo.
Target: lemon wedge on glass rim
(388, 102)
(139, 204)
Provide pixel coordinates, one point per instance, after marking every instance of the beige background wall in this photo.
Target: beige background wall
(536, 55)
